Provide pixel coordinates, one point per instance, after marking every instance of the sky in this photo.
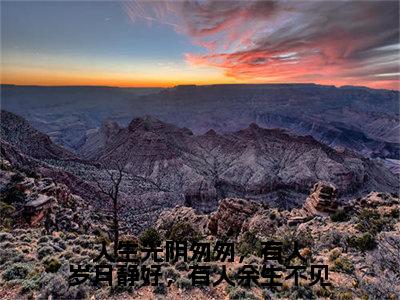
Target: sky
(154, 43)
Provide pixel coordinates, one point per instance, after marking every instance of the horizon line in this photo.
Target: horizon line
(199, 85)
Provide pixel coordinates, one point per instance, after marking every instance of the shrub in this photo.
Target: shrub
(181, 266)
(101, 236)
(84, 241)
(4, 236)
(333, 238)
(161, 288)
(26, 239)
(77, 292)
(29, 285)
(322, 292)
(215, 269)
(343, 264)
(17, 257)
(51, 264)
(17, 178)
(171, 273)
(334, 254)
(6, 224)
(184, 283)
(5, 165)
(70, 236)
(345, 296)
(6, 210)
(57, 287)
(45, 251)
(183, 231)
(363, 243)
(11, 194)
(6, 255)
(300, 292)
(239, 293)
(287, 236)
(370, 220)
(249, 244)
(304, 239)
(67, 254)
(29, 172)
(91, 253)
(266, 295)
(340, 215)
(394, 213)
(16, 271)
(44, 239)
(150, 238)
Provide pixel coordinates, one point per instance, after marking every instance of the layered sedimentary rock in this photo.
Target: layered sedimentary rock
(322, 201)
(41, 200)
(230, 216)
(346, 116)
(250, 163)
(20, 134)
(165, 165)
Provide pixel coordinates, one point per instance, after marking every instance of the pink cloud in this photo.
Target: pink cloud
(324, 42)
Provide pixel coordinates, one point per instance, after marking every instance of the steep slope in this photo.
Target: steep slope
(255, 163)
(19, 133)
(65, 113)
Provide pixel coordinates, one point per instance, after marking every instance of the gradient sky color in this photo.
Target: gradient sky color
(131, 43)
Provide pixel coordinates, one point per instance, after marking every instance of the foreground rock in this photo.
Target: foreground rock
(182, 214)
(231, 214)
(322, 201)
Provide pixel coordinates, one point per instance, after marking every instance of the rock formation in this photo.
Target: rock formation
(322, 201)
(182, 214)
(167, 166)
(228, 220)
(20, 134)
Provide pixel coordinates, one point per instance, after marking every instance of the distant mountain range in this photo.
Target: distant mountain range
(363, 119)
(167, 165)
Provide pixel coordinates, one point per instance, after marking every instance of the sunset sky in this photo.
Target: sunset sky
(118, 43)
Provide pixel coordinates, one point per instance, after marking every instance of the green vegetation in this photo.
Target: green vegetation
(334, 254)
(370, 220)
(340, 215)
(183, 231)
(249, 244)
(16, 271)
(184, 283)
(236, 293)
(343, 264)
(345, 296)
(51, 264)
(363, 243)
(45, 251)
(150, 238)
(160, 289)
(6, 211)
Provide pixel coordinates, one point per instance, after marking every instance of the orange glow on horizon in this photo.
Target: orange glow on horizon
(67, 78)
(389, 85)
(45, 77)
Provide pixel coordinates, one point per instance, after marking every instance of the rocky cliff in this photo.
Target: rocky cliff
(251, 163)
(19, 133)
